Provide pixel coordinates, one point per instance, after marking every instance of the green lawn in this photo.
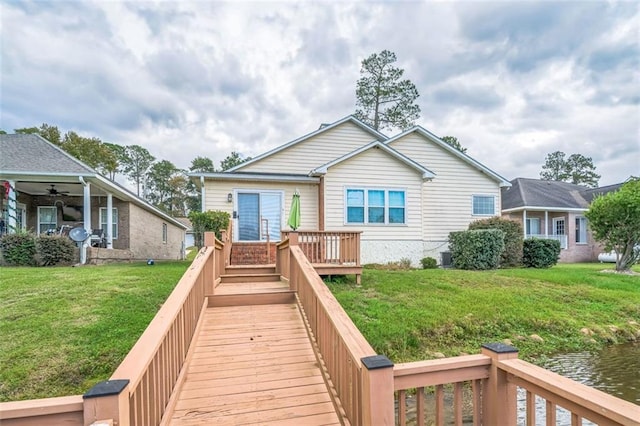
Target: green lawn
(64, 329)
(410, 315)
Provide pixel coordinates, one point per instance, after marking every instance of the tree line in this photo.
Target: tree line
(159, 182)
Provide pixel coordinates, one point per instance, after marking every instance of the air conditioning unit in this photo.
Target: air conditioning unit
(445, 259)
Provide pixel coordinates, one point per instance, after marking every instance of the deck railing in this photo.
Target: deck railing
(463, 374)
(337, 339)
(329, 247)
(484, 390)
(153, 366)
(563, 239)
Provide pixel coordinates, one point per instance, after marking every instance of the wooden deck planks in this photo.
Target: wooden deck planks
(253, 365)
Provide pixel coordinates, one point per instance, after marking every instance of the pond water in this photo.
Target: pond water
(614, 370)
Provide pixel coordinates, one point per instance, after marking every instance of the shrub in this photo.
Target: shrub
(539, 253)
(429, 263)
(18, 249)
(479, 249)
(211, 220)
(54, 250)
(512, 253)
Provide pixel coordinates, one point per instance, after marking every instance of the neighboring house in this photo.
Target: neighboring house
(50, 193)
(405, 193)
(555, 210)
(189, 239)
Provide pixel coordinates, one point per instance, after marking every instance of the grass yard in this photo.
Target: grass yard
(64, 329)
(410, 315)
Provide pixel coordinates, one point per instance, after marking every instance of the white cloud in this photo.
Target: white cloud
(184, 79)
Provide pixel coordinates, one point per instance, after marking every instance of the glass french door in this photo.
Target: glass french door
(259, 214)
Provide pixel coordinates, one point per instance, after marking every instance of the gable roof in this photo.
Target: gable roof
(34, 154)
(31, 158)
(464, 157)
(426, 173)
(531, 194)
(323, 128)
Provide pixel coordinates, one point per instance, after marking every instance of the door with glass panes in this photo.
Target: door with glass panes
(258, 214)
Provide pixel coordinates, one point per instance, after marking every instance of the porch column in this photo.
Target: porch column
(546, 224)
(524, 223)
(109, 229)
(87, 207)
(12, 208)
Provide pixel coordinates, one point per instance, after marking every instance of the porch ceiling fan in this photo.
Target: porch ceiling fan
(53, 192)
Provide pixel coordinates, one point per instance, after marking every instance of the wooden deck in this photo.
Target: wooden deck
(253, 364)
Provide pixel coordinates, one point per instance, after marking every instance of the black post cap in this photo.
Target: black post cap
(375, 362)
(500, 348)
(106, 388)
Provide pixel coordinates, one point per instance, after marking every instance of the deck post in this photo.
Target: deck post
(210, 267)
(377, 391)
(499, 397)
(209, 239)
(293, 271)
(107, 401)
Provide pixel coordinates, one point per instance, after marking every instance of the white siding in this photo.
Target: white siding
(304, 156)
(216, 198)
(374, 169)
(447, 200)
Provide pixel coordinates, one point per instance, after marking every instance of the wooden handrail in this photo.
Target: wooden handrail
(581, 400)
(338, 340)
(154, 363)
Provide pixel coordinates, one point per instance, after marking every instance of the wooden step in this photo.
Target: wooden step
(250, 269)
(252, 299)
(254, 278)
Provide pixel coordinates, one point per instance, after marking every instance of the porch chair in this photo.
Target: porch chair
(98, 239)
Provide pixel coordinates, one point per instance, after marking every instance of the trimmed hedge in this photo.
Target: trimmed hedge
(540, 253)
(477, 250)
(54, 250)
(211, 220)
(511, 256)
(18, 249)
(429, 263)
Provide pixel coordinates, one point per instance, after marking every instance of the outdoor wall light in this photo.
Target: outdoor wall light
(229, 197)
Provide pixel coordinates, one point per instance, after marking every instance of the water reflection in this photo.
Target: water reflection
(615, 370)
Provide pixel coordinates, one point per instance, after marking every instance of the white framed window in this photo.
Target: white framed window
(21, 217)
(581, 230)
(375, 206)
(533, 226)
(558, 226)
(484, 205)
(47, 218)
(164, 233)
(103, 221)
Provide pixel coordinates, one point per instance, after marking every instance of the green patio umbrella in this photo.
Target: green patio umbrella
(294, 213)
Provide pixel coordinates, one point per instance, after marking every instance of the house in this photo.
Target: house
(404, 193)
(50, 191)
(555, 210)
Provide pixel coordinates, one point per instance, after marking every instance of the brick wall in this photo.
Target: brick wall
(252, 253)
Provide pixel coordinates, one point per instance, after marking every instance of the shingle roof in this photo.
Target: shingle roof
(28, 154)
(550, 194)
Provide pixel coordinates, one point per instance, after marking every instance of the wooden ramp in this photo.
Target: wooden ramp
(252, 364)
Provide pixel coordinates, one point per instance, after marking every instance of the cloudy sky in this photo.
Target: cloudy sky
(513, 81)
